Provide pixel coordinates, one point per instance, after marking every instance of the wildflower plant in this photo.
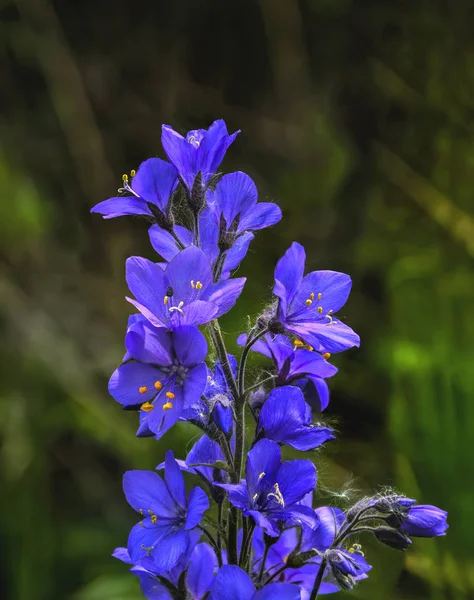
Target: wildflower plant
(268, 540)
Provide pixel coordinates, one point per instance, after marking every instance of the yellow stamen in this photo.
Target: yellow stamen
(254, 497)
(154, 519)
(320, 310)
(198, 285)
(125, 178)
(133, 173)
(262, 475)
(168, 405)
(351, 550)
(298, 343)
(169, 395)
(310, 348)
(327, 355)
(165, 299)
(320, 296)
(150, 512)
(309, 302)
(311, 296)
(141, 511)
(141, 523)
(147, 407)
(192, 284)
(143, 389)
(158, 385)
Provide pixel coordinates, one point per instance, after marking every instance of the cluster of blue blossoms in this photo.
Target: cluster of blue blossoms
(265, 540)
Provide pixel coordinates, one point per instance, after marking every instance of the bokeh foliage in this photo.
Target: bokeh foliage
(357, 118)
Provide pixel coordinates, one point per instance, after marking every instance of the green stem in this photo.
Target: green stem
(243, 362)
(213, 543)
(219, 344)
(246, 545)
(318, 580)
(264, 560)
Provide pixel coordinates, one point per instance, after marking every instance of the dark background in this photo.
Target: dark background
(357, 117)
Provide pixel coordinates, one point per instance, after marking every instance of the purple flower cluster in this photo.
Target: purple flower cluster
(251, 531)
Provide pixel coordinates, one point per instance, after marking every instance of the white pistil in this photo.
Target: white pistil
(178, 308)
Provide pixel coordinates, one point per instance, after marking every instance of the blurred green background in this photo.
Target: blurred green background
(357, 117)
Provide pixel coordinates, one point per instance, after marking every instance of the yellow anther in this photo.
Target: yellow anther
(351, 550)
(320, 296)
(310, 348)
(192, 284)
(168, 405)
(262, 475)
(141, 523)
(165, 299)
(285, 559)
(298, 343)
(311, 296)
(154, 519)
(158, 385)
(320, 310)
(133, 173)
(327, 355)
(277, 487)
(309, 302)
(254, 497)
(147, 407)
(143, 389)
(125, 178)
(141, 511)
(198, 285)
(169, 395)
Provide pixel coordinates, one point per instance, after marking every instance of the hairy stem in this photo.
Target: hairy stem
(318, 580)
(243, 362)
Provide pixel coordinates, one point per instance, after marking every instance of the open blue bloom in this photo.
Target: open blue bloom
(168, 517)
(201, 151)
(272, 489)
(307, 305)
(167, 371)
(167, 246)
(297, 365)
(286, 418)
(232, 583)
(219, 396)
(153, 184)
(181, 294)
(423, 520)
(199, 562)
(234, 206)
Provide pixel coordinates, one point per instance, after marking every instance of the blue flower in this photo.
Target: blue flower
(297, 365)
(234, 206)
(272, 489)
(152, 185)
(181, 294)
(168, 517)
(232, 583)
(286, 418)
(423, 520)
(219, 396)
(201, 151)
(307, 305)
(167, 371)
(167, 246)
(199, 562)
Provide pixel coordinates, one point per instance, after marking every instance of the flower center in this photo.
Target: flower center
(277, 495)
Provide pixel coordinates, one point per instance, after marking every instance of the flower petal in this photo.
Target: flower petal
(289, 273)
(195, 383)
(224, 294)
(190, 345)
(191, 264)
(201, 569)
(174, 480)
(238, 493)
(235, 194)
(154, 182)
(181, 154)
(282, 591)
(325, 337)
(264, 214)
(198, 503)
(333, 286)
(163, 417)
(296, 478)
(133, 383)
(232, 583)
(121, 207)
(264, 457)
(145, 490)
(149, 344)
(148, 284)
(235, 255)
